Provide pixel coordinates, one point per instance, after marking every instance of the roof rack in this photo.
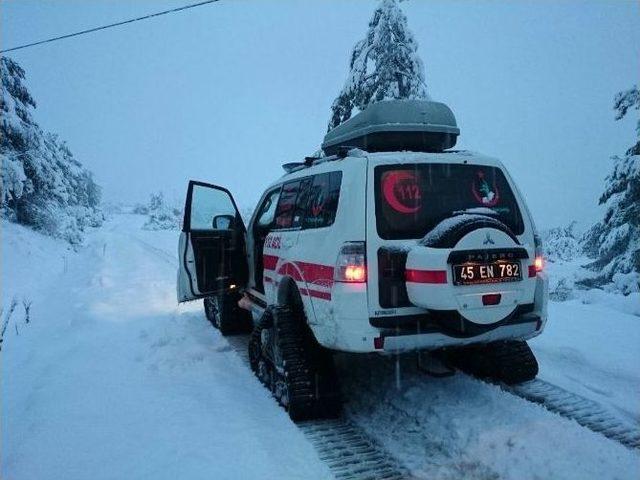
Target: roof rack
(396, 125)
(293, 166)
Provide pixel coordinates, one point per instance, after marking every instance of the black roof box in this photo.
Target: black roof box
(396, 125)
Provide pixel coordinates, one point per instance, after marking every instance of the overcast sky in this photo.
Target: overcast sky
(228, 92)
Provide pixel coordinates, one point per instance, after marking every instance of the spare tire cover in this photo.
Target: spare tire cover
(460, 232)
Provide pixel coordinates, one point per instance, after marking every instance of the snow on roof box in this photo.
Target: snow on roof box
(396, 125)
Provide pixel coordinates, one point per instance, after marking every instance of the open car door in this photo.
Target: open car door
(212, 249)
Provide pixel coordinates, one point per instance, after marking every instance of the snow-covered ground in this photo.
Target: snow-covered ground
(591, 345)
(111, 379)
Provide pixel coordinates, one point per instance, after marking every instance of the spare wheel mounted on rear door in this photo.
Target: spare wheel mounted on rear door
(477, 253)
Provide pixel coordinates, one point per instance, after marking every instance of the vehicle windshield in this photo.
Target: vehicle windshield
(411, 199)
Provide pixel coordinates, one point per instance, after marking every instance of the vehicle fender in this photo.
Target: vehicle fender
(289, 294)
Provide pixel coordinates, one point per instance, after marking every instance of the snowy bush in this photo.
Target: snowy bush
(140, 209)
(384, 65)
(614, 242)
(562, 290)
(161, 215)
(42, 184)
(561, 244)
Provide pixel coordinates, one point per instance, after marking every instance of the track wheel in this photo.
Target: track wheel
(224, 314)
(306, 382)
(515, 362)
(509, 362)
(287, 359)
(255, 340)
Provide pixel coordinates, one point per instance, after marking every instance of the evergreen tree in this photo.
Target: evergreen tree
(384, 65)
(614, 242)
(622, 103)
(162, 216)
(42, 184)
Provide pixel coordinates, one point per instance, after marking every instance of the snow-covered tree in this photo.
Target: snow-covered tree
(42, 184)
(384, 65)
(614, 242)
(561, 244)
(161, 215)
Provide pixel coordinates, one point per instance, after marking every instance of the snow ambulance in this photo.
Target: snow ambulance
(391, 242)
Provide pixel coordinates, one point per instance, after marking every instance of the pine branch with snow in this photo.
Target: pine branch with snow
(624, 101)
(614, 242)
(384, 65)
(42, 184)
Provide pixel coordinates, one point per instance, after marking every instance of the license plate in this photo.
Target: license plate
(495, 272)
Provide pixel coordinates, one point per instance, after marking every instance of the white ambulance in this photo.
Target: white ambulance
(391, 242)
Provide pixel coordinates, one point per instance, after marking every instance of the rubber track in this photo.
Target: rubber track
(348, 452)
(345, 448)
(586, 412)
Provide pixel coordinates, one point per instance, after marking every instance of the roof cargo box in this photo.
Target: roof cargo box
(396, 125)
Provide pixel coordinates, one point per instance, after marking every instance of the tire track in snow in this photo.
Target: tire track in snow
(346, 449)
(586, 412)
(158, 252)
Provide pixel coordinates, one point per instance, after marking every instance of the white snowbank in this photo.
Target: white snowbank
(111, 380)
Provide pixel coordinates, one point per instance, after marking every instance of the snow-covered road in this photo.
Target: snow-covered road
(110, 379)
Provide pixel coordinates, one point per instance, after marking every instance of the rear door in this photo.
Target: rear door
(393, 198)
(212, 249)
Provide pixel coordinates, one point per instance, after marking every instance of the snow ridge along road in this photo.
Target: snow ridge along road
(586, 412)
(347, 450)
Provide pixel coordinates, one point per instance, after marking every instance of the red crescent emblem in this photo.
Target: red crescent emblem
(394, 180)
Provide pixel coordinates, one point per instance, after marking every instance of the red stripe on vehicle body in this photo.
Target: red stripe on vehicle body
(425, 276)
(316, 294)
(316, 272)
(290, 270)
(312, 274)
(269, 262)
(308, 272)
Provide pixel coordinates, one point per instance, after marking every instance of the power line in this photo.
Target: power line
(91, 30)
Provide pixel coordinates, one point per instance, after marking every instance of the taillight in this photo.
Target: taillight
(538, 261)
(351, 265)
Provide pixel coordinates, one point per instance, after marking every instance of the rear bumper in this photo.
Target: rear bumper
(521, 328)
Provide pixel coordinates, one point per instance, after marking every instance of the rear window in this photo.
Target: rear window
(411, 199)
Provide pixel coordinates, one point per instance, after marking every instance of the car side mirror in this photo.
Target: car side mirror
(223, 222)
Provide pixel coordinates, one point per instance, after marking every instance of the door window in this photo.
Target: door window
(210, 209)
(268, 210)
(287, 204)
(310, 202)
(323, 200)
(302, 202)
